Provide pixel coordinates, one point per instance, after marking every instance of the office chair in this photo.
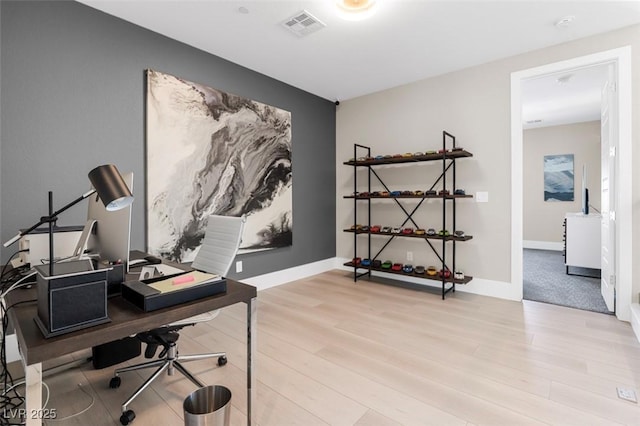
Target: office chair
(218, 250)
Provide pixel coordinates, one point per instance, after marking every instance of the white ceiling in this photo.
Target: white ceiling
(564, 98)
(405, 41)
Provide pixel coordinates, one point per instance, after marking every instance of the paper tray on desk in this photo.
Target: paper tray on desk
(149, 299)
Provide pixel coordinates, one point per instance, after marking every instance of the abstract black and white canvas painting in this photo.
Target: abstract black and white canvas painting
(558, 177)
(212, 152)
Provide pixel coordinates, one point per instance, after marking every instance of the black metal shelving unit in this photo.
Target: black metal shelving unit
(448, 157)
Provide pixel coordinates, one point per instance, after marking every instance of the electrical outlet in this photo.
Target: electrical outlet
(17, 262)
(627, 394)
(239, 266)
(482, 197)
(410, 256)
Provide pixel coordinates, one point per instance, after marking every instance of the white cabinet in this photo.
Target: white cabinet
(582, 240)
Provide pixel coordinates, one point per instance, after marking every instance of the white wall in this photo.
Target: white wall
(542, 221)
(474, 105)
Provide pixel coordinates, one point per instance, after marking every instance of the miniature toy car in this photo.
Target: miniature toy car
(376, 263)
(418, 154)
(419, 193)
(386, 229)
(442, 151)
(388, 156)
(445, 273)
(386, 265)
(444, 192)
(395, 193)
(443, 233)
(458, 233)
(407, 269)
(458, 275)
(407, 192)
(365, 228)
(395, 230)
(361, 159)
(356, 227)
(365, 262)
(431, 271)
(384, 193)
(379, 157)
(459, 192)
(420, 231)
(355, 261)
(431, 192)
(431, 152)
(457, 148)
(419, 269)
(375, 228)
(363, 194)
(397, 155)
(375, 194)
(407, 231)
(396, 267)
(407, 155)
(431, 232)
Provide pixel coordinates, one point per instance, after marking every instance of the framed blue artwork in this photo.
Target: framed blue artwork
(558, 177)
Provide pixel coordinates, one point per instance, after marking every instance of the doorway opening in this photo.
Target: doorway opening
(620, 211)
(561, 166)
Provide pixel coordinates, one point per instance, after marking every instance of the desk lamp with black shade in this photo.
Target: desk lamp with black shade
(67, 301)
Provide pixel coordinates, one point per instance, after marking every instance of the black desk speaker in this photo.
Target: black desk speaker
(73, 298)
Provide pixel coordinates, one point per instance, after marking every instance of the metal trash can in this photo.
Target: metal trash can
(208, 406)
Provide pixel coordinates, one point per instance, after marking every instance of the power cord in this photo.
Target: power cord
(12, 271)
(84, 410)
(4, 268)
(15, 409)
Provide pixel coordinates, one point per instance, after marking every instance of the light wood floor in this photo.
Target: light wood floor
(331, 352)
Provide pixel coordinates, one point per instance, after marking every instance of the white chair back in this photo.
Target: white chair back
(220, 244)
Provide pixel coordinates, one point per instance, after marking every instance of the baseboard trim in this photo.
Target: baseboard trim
(272, 279)
(542, 245)
(635, 319)
(480, 286)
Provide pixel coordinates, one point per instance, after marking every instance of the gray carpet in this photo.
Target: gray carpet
(545, 281)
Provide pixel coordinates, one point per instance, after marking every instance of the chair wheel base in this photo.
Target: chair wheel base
(222, 361)
(127, 417)
(114, 383)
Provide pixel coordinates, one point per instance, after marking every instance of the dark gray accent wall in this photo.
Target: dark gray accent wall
(73, 88)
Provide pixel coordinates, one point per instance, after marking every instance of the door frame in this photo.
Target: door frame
(623, 265)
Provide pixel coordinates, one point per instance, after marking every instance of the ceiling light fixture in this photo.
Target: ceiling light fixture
(356, 10)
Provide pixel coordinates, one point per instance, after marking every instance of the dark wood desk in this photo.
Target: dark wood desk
(126, 320)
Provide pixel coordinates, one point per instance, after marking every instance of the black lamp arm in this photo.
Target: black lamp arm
(50, 218)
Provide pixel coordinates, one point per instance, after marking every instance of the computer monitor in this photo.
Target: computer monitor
(110, 237)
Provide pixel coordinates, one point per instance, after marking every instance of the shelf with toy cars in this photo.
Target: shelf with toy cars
(413, 234)
(409, 228)
(437, 277)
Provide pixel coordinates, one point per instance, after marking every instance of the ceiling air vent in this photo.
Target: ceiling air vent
(303, 23)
